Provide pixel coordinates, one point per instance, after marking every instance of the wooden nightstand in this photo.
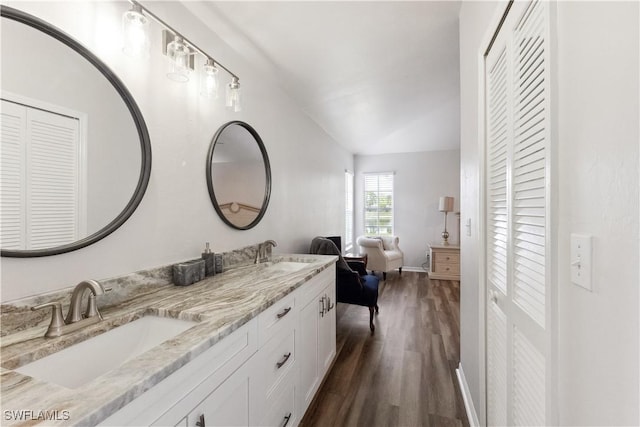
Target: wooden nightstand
(445, 262)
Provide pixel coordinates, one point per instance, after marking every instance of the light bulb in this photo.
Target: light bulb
(135, 28)
(209, 80)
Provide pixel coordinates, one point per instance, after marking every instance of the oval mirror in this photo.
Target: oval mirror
(75, 155)
(238, 175)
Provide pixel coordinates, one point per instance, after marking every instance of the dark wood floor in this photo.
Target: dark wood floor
(403, 375)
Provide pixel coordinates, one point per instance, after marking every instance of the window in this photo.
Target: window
(348, 211)
(378, 204)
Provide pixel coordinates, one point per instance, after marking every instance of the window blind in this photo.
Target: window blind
(378, 204)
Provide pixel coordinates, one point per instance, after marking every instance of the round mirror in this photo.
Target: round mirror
(75, 154)
(238, 175)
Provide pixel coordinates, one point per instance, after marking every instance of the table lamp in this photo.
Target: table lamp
(446, 206)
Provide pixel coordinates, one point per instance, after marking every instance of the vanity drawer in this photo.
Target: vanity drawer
(276, 359)
(281, 407)
(280, 316)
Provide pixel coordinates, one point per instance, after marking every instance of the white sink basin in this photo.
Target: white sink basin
(287, 266)
(85, 361)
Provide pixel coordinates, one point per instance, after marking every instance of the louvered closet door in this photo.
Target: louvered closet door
(517, 219)
(41, 180)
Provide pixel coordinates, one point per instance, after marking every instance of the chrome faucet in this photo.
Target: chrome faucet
(75, 319)
(261, 252)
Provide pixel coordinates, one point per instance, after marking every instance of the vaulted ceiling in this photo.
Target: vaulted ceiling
(379, 77)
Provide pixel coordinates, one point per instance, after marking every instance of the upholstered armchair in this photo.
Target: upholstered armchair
(353, 284)
(383, 252)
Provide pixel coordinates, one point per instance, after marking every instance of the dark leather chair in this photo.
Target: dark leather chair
(353, 284)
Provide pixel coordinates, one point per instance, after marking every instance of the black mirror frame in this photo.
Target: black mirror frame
(267, 167)
(143, 133)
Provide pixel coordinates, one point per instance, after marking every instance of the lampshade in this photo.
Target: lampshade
(178, 53)
(234, 100)
(209, 80)
(446, 204)
(135, 27)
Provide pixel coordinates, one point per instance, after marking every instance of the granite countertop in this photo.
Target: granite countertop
(220, 304)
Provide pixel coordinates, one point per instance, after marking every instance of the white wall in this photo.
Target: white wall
(176, 217)
(597, 60)
(420, 179)
(596, 119)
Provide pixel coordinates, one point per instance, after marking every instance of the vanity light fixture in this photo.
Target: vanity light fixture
(234, 95)
(179, 55)
(135, 28)
(209, 79)
(182, 53)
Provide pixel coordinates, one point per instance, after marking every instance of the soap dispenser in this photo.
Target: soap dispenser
(209, 261)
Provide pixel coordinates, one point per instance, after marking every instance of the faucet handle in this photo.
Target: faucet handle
(57, 321)
(92, 308)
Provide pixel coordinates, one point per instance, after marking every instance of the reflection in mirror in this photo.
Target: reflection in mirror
(238, 175)
(75, 150)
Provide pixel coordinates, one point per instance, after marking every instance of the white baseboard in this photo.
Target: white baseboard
(472, 415)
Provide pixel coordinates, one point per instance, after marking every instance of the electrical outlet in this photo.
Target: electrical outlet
(581, 260)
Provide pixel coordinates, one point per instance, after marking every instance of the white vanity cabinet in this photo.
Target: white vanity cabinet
(293, 360)
(317, 338)
(265, 373)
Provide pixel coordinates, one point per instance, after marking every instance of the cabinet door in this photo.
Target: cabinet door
(327, 331)
(317, 342)
(228, 405)
(308, 352)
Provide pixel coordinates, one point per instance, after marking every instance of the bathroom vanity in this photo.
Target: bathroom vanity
(262, 340)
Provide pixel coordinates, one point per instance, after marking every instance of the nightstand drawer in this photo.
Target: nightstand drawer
(446, 268)
(446, 257)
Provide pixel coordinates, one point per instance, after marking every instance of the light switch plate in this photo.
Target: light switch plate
(581, 260)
